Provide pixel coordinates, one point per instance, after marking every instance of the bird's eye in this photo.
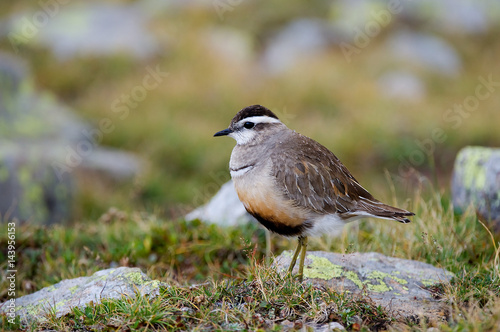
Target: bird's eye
(249, 125)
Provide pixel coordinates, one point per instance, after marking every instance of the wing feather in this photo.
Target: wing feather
(315, 179)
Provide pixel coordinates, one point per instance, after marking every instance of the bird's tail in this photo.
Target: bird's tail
(378, 209)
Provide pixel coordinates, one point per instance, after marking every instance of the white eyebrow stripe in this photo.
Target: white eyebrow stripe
(259, 119)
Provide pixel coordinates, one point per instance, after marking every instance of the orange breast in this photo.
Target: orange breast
(262, 199)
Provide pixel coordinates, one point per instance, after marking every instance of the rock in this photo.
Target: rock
(456, 16)
(401, 85)
(426, 51)
(87, 29)
(80, 292)
(299, 39)
(329, 327)
(12, 74)
(224, 209)
(398, 285)
(350, 17)
(450, 16)
(43, 145)
(112, 164)
(31, 126)
(29, 188)
(27, 115)
(476, 181)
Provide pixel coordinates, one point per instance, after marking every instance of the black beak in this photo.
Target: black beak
(224, 132)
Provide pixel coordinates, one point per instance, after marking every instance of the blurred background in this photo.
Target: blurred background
(114, 103)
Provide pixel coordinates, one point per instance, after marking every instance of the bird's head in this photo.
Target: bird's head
(252, 124)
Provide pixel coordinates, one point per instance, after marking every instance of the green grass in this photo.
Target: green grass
(261, 303)
(230, 269)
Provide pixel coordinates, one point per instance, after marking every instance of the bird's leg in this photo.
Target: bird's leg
(303, 241)
(295, 255)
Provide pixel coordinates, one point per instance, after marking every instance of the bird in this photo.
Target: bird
(293, 185)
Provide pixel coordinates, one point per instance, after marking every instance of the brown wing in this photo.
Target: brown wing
(314, 178)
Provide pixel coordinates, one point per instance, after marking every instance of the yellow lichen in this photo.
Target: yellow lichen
(381, 275)
(378, 288)
(473, 172)
(322, 268)
(429, 282)
(134, 277)
(74, 289)
(354, 278)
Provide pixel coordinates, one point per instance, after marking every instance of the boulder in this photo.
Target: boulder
(425, 51)
(80, 292)
(402, 287)
(224, 209)
(301, 39)
(43, 145)
(87, 29)
(401, 85)
(476, 182)
(30, 190)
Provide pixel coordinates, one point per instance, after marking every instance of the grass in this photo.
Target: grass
(262, 301)
(235, 286)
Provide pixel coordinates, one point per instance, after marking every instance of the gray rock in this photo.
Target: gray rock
(27, 115)
(299, 39)
(398, 285)
(12, 73)
(401, 85)
(79, 292)
(349, 16)
(456, 16)
(30, 190)
(112, 164)
(224, 209)
(427, 51)
(476, 181)
(87, 29)
(451, 16)
(43, 145)
(328, 327)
